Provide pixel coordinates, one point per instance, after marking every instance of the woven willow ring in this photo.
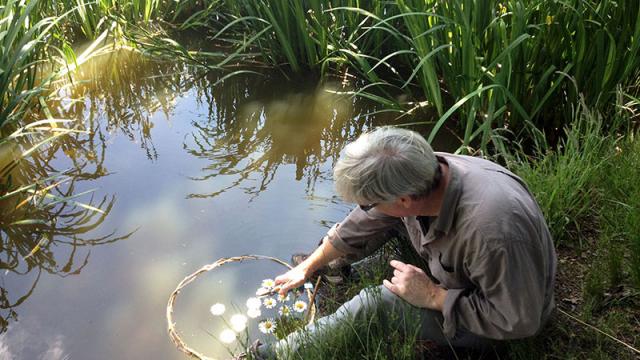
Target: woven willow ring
(173, 333)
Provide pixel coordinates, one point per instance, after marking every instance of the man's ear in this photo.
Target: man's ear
(405, 201)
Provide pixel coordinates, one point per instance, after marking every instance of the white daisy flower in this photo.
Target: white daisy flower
(238, 322)
(267, 326)
(268, 283)
(269, 303)
(284, 310)
(227, 336)
(300, 306)
(253, 303)
(283, 298)
(254, 313)
(217, 309)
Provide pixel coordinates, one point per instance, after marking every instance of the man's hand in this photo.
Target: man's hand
(296, 276)
(415, 287)
(291, 279)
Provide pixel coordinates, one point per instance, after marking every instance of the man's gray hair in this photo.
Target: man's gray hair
(384, 164)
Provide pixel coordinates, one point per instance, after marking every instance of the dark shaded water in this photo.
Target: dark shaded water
(186, 172)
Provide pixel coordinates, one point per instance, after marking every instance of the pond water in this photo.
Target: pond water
(186, 171)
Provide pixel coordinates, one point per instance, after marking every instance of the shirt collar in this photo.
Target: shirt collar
(443, 222)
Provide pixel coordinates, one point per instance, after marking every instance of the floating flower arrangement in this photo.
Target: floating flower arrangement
(286, 315)
(283, 313)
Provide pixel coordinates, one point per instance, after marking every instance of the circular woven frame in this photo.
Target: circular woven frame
(173, 333)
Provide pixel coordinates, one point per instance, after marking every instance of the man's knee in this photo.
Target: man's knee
(376, 297)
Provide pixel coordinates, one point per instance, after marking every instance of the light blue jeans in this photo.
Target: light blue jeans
(397, 314)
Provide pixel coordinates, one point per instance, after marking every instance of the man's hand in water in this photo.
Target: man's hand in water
(291, 279)
(415, 287)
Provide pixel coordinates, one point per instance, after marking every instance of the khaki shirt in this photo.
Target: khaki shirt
(489, 247)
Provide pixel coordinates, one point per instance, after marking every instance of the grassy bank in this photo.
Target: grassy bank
(587, 187)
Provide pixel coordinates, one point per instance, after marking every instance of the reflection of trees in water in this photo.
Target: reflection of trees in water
(255, 127)
(39, 231)
(120, 92)
(251, 130)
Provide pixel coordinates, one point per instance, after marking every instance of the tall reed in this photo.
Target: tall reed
(22, 49)
(89, 18)
(483, 66)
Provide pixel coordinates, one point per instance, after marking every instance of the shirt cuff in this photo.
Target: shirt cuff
(450, 324)
(337, 242)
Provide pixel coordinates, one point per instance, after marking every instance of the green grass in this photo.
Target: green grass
(623, 210)
(588, 190)
(565, 179)
(360, 338)
(22, 49)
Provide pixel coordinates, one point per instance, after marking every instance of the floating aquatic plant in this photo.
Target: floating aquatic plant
(253, 303)
(238, 322)
(254, 313)
(227, 336)
(217, 309)
(284, 310)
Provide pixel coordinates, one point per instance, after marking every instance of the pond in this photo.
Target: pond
(186, 170)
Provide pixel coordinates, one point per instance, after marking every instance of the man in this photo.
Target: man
(490, 256)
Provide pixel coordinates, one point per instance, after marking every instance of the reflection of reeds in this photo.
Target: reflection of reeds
(45, 221)
(120, 91)
(251, 132)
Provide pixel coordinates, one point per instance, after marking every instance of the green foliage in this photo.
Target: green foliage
(360, 337)
(493, 64)
(565, 180)
(89, 18)
(22, 48)
(588, 190)
(621, 180)
(35, 44)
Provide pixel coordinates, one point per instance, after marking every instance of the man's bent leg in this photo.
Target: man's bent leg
(394, 313)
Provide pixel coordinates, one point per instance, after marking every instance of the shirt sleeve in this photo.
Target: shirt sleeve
(362, 232)
(509, 298)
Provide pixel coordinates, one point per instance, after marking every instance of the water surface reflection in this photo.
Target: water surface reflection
(201, 171)
(39, 232)
(303, 129)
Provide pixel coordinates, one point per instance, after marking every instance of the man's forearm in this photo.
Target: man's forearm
(320, 257)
